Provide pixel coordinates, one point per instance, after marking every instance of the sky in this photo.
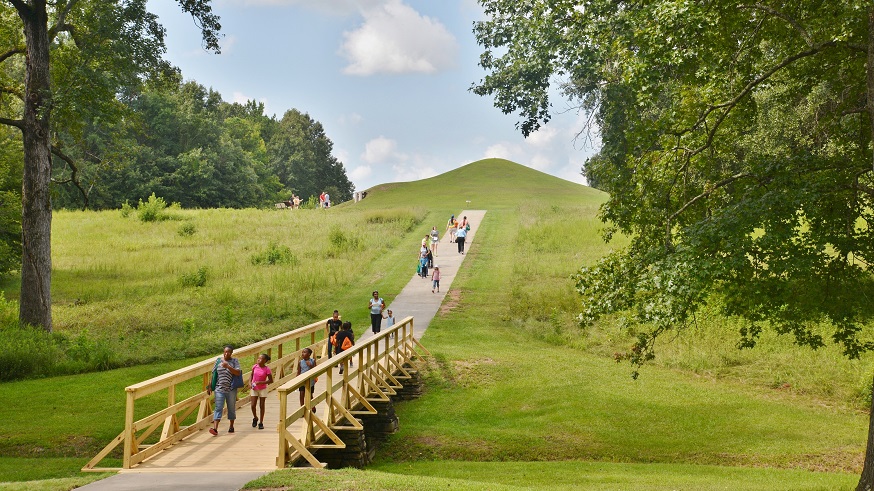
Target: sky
(388, 80)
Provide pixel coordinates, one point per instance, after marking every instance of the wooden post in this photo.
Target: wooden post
(282, 456)
(130, 438)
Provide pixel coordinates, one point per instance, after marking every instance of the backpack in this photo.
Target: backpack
(334, 339)
(347, 343)
(467, 228)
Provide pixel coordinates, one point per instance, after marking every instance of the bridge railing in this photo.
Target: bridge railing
(379, 365)
(284, 350)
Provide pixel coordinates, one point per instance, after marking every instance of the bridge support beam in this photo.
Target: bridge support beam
(361, 445)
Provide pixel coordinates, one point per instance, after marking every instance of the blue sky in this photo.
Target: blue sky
(388, 80)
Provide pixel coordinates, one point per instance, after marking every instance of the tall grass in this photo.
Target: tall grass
(515, 380)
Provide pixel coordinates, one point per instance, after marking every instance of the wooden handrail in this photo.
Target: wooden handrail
(377, 361)
(172, 431)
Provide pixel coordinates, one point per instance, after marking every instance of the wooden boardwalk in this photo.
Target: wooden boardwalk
(194, 450)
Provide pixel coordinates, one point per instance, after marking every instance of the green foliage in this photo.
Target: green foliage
(734, 155)
(312, 203)
(126, 209)
(408, 219)
(155, 209)
(187, 229)
(274, 254)
(195, 279)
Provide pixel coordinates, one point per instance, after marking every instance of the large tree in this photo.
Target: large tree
(71, 57)
(737, 151)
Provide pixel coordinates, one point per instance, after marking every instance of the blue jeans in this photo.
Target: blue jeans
(220, 399)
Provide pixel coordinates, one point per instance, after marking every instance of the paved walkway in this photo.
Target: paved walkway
(415, 299)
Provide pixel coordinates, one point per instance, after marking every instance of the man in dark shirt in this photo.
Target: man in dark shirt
(333, 325)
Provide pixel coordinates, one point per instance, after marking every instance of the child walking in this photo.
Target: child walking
(306, 363)
(261, 376)
(435, 279)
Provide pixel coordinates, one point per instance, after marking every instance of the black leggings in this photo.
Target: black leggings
(460, 242)
(375, 322)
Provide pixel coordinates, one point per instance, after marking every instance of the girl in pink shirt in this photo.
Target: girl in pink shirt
(435, 279)
(261, 376)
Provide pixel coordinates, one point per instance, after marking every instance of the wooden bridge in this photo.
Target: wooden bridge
(352, 409)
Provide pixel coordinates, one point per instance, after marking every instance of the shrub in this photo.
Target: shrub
(310, 204)
(187, 229)
(341, 242)
(196, 279)
(275, 254)
(126, 209)
(155, 209)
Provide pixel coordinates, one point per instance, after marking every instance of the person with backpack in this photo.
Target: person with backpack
(333, 326)
(345, 339)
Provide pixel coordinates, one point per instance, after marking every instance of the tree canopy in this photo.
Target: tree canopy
(737, 152)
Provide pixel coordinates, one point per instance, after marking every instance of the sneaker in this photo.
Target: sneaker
(254, 422)
(231, 429)
(213, 432)
(260, 426)
(432, 291)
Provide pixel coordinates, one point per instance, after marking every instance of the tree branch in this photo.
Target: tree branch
(18, 123)
(21, 7)
(74, 174)
(707, 192)
(11, 52)
(60, 25)
(789, 20)
(13, 91)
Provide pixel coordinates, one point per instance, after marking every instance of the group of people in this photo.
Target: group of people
(457, 231)
(293, 202)
(324, 200)
(227, 372)
(227, 380)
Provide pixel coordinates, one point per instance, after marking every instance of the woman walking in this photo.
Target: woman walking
(226, 368)
(376, 306)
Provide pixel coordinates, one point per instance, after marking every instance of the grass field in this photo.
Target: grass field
(519, 397)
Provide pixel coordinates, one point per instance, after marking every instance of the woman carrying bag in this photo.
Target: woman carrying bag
(227, 378)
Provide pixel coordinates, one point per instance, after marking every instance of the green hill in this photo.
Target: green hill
(520, 397)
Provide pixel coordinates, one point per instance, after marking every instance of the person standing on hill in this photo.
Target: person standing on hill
(460, 235)
(333, 326)
(376, 306)
(321, 199)
(327, 200)
(451, 227)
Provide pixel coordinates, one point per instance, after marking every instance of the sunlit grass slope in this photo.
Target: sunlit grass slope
(520, 396)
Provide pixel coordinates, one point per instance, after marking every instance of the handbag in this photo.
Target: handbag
(214, 381)
(237, 381)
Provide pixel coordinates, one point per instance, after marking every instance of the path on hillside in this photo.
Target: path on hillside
(415, 300)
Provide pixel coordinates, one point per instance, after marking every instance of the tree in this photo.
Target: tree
(737, 151)
(300, 155)
(87, 51)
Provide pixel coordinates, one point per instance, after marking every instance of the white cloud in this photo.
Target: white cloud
(395, 38)
(540, 162)
(415, 172)
(351, 119)
(341, 155)
(360, 172)
(338, 7)
(542, 137)
(380, 150)
(507, 151)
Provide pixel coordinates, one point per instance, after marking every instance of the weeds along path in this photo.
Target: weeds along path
(416, 298)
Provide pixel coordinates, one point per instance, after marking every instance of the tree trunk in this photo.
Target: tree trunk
(866, 480)
(36, 209)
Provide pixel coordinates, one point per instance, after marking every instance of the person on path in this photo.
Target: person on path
(423, 262)
(344, 338)
(376, 306)
(430, 257)
(226, 367)
(333, 326)
(460, 236)
(261, 376)
(435, 279)
(435, 238)
(451, 227)
(389, 318)
(306, 363)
